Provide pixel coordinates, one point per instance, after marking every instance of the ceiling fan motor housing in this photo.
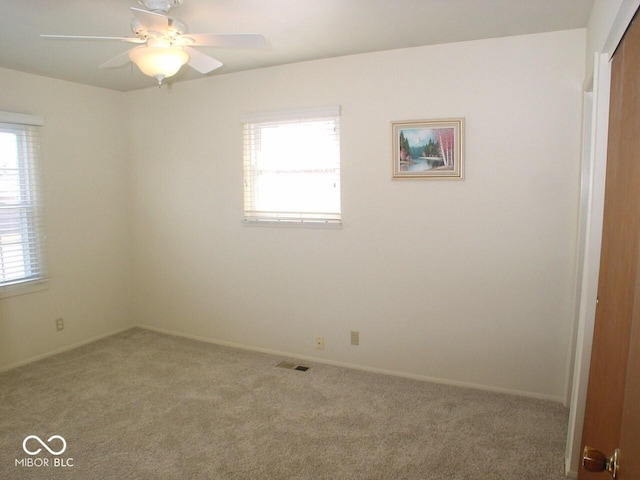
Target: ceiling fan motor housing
(175, 27)
(159, 5)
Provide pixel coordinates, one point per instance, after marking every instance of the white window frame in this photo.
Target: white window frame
(29, 206)
(326, 170)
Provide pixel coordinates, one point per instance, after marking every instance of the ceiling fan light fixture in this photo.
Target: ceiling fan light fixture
(164, 46)
(159, 5)
(159, 62)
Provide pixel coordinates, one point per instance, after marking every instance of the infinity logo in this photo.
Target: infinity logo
(36, 438)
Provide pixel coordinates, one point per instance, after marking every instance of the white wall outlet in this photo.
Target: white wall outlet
(59, 324)
(355, 337)
(319, 343)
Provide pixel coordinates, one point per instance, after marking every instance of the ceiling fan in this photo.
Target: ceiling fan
(164, 45)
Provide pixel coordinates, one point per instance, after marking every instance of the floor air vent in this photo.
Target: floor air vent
(293, 366)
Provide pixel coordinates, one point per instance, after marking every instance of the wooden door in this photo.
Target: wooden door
(612, 413)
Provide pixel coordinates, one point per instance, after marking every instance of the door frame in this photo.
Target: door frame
(594, 160)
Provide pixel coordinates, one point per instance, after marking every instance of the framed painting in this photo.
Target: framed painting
(428, 149)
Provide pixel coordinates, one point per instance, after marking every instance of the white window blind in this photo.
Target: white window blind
(292, 166)
(21, 229)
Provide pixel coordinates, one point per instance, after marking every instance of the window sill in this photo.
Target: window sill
(23, 288)
(333, 224)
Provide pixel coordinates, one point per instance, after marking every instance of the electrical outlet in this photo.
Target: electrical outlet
(355, 337)
(319, 343)
(59, 324)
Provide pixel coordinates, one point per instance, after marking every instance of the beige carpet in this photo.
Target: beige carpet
(141, 405)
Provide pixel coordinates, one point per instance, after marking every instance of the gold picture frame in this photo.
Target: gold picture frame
(428, 149)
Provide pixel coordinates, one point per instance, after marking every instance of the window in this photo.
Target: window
(20, 220)
(292, 167)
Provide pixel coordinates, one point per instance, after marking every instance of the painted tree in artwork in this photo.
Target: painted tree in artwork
(445, 140)
(431, 149)
(404, 147)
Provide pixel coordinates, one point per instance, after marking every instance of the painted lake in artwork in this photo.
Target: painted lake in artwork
(421, 164)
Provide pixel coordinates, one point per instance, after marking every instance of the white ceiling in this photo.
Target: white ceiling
(296, 30)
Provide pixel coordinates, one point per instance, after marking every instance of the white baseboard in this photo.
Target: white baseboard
(280, 353)
(365, 368)
(62, 350)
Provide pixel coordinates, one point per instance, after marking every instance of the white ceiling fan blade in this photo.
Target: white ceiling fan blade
(151, 21)
(118, 60)
(201, 62)
(234, 40)
(92, 37)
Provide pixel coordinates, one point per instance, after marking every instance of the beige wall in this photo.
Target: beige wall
(460, 281)
(86, 182)
(467, 282)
